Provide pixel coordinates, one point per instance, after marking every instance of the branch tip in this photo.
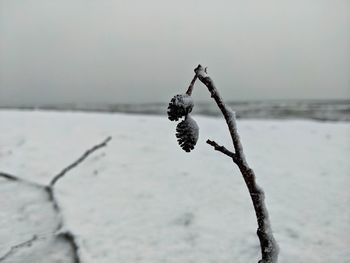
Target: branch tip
(268, 245)
(221, 149)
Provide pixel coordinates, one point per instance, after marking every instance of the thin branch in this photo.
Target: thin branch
(79, 160)
(18, 246)
(190, 88)
(228, 114)
(222, 149)
(268, 245)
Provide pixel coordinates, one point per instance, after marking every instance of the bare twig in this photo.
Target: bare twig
(222, 149)
(229, 115)
(190, 88)
(268, 245)
(79, 160)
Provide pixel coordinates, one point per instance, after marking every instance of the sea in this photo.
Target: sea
(321, 110)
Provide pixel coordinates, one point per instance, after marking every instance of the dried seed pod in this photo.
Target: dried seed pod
(179, 106)
(187, 133)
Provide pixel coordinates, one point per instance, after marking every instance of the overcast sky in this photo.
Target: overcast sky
(95, 51)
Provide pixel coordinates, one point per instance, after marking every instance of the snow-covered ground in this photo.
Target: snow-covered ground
(143, 199)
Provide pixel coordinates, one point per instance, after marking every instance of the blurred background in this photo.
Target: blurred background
(66, 65)
(275, 59)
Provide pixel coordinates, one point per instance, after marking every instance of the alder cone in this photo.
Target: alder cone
(187, 133)
(180, 106)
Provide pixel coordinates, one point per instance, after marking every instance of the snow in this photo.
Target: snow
(184, 101)
(180, 105)
(142, 199)
(26, 214)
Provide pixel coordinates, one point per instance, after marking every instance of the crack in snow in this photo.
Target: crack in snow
(57, 234)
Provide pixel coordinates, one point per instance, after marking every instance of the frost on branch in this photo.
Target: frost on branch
(179, 106)
(187, 133)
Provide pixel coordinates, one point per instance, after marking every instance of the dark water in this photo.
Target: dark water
(332, 110)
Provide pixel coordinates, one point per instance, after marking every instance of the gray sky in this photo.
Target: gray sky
(95, 51)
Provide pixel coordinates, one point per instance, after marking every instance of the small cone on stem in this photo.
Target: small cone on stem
(179, 106)
(187, 133)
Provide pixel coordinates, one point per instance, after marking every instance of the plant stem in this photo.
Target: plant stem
(268, 244)
(190, 87)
